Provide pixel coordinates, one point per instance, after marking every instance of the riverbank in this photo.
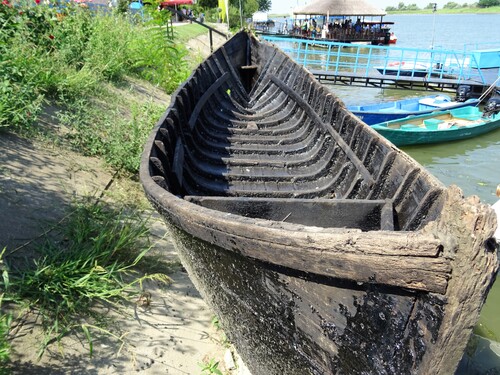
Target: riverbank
(172, 330)
(460, 10)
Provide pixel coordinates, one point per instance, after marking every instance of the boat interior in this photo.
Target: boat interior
(253, 134)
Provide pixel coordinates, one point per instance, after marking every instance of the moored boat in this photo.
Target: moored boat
(321, 247)
(387, 111)
(404, 68)
(437, 127)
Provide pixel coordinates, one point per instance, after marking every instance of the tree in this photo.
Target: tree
(390, 9)
(451, 5)
(488, 3)
(207, 3)
(248, 7)
(264, 5)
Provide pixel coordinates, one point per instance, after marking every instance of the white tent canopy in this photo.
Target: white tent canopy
(259, 17)
(340, 8)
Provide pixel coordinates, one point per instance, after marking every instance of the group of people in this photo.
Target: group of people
(187, 14)
(311, 28)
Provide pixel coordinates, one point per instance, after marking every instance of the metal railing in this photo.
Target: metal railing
(210, 28)
(372, 61)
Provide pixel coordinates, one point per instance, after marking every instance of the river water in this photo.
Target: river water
(474, 164)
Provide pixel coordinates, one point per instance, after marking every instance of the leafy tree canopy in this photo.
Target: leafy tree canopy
(488, 3)
(208, 3)
(264, 5)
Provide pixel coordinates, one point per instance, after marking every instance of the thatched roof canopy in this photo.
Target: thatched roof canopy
(340, 8)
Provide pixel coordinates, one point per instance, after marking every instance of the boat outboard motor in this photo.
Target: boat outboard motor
(463, 93)
(492, 106)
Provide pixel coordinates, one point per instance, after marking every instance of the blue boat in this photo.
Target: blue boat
(376, 113)
(442, 126)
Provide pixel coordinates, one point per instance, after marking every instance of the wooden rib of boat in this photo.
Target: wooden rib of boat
(376, 113)
(438, 127)
(321, 247)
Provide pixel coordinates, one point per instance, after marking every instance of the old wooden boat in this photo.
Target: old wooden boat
(322, 248)
(438, 127)
(392, 110)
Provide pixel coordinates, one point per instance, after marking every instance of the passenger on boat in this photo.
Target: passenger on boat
(357, 26)
(285, 26)
(324, 31)
(305, 28)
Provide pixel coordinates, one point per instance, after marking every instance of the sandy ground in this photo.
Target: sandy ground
(173, 334)
(170, 336)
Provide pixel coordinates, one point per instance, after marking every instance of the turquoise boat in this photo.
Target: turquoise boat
(437, 127)
(387, 111)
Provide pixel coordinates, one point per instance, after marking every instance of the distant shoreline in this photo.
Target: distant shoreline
(469, 10)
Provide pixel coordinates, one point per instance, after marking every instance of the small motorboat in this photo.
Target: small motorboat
(380, 112)
(393, 39)
(442, 126)
(404, 68)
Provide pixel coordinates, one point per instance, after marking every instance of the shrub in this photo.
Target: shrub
(64, 55)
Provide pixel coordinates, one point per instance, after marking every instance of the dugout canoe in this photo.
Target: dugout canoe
(321, 247)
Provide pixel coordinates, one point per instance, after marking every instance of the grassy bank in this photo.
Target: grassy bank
(63, 74)
(67, 58)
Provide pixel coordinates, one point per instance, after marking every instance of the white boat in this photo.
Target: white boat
(404, 68)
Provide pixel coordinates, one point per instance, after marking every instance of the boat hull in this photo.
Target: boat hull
(377, 113)
(312, 316)
(285, 321)
(403, 72)
(405, 135)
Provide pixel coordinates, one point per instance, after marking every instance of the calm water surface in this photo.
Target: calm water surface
(474, 164)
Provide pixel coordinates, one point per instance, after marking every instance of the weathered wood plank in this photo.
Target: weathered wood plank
(340, 141)
(464, 224)
(404, 271)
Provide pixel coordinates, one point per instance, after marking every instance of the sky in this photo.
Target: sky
(285, 6)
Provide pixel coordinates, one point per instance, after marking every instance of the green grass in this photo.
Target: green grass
(75, 63)
(93, 261)
(106, 131)
(49, 58)
(210, 367)
(185, 32)
(69, 61)
(5, 320)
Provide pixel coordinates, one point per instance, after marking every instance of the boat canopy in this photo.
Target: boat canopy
(340, 8)
(171, 3)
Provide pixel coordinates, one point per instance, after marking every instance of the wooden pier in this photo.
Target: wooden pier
(395, 82)
(365, 65)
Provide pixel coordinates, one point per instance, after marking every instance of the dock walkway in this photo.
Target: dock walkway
(394, 67)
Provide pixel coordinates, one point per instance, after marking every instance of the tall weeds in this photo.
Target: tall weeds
(65, 54)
